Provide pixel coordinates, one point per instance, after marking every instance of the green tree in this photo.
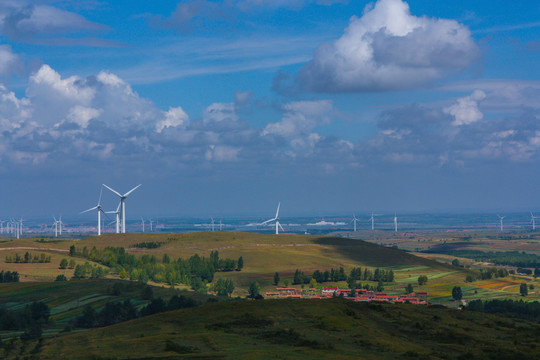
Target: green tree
(457, 294)
(422, 280)
(254, 290)
(27, 257)
(166, 259)
(523, 289)
(240, 264)
(63, 263)
(276, 279)
(72, 250)
(469, 278)
(71, 264)
(409, 289)
(61, 277)
(455, 262)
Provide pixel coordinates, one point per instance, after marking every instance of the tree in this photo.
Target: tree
(166, 259)
(523, 289)
(469, 278)
(72, 250)
(61, 277)
(457, 294)
(312, 283)
(422, 280)
(71, 264)
(455, 262)
(240, 264)
(254, 289)
(63, 264)
(409, 289)
(276, 279)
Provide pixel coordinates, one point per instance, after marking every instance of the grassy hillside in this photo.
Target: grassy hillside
(265, 254)
(310, 329)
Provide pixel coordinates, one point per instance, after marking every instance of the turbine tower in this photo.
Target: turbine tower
(354, 220)
(533, 221)
(372, 219)
(142, 222)
(501, 221)
(276, 219)
(99, 211)
(55, 224)
(117, 213)
(395, 222)
(123, 203)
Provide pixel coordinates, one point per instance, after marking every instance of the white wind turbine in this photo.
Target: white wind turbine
(395, 222)
(142, 222)
(533, 218)
(55, 224)
(276, 219)
(117, 217)
(372, 219)
(99, 211)
(501, 221)
(123, 203)
(212, 224)
(354, 220)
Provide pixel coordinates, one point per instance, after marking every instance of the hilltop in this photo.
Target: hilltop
(311, 329)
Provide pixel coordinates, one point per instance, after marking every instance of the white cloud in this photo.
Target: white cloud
(300, 117)
(466, 111)
(388, 48)
(175, 117)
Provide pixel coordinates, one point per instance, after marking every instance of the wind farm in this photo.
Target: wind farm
(217, 179)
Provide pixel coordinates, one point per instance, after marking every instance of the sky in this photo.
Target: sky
(224, 108)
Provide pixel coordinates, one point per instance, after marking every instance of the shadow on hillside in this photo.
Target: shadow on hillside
(373, 255)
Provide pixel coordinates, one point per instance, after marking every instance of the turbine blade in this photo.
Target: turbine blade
(281, 227)
(100, 193)
(277, 212)
(114, 191)
(267, 221)
(132, 190)
(94, 208)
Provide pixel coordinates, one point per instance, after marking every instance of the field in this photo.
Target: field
(293, 329)
(266, 254)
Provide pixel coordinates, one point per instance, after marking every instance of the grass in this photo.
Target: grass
(311, 329)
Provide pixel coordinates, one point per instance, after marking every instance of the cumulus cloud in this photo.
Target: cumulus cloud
(9, 62)
(388, 48)
(173, 118)
(454, 135)
(300, 118)
(465, 111)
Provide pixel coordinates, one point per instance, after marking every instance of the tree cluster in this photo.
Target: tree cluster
(148, 245)
(529, 310)
(222, 287)
(30, 319)
(87, 270)
(9, 276)
(196, 271)
(119, 311)
(28, 258)
(511, 258)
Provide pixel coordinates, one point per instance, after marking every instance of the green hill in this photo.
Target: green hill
(293, 329)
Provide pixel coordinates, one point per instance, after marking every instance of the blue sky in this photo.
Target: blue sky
(227, 107)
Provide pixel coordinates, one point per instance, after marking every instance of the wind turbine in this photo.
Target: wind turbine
(354, 220)
(501, 221)
(395, 222)
(142, 222)
(533, 222)
(276, 219)
(220, 225)
(55, 224)
(372, 219)
(117, 212)
(99, 211)
(212, 224)
(123, 203)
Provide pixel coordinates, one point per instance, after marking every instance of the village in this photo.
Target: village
(417, 298)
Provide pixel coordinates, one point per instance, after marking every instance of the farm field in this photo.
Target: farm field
(292, 329)
(265, 254)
